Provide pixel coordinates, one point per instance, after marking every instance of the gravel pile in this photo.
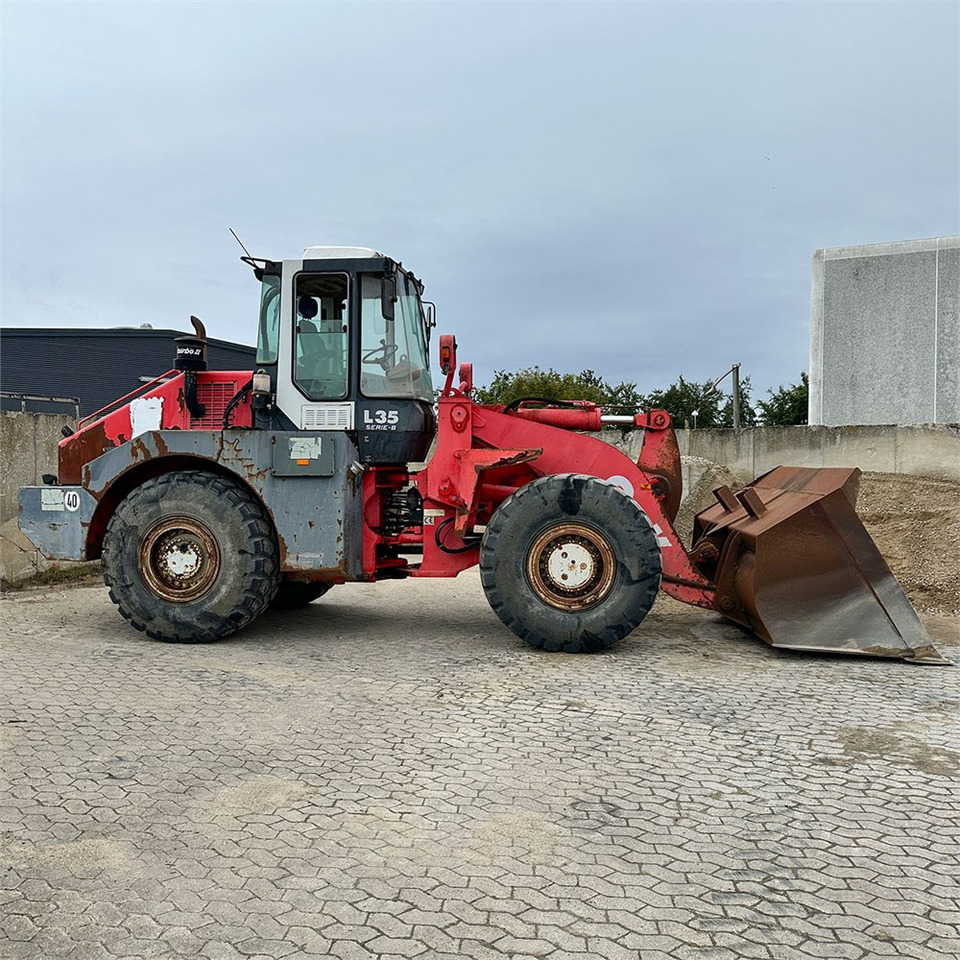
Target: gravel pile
(915, 523)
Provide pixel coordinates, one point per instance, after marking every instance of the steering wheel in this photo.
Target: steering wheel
(381, 355)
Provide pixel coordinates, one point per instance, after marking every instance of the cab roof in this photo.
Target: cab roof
(342, 253)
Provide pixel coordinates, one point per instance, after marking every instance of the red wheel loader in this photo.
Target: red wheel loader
(212, 495)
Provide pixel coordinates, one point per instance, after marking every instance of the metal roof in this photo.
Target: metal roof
(166, 333)
(98, 365)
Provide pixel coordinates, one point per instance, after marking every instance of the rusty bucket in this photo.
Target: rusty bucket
(792, 562)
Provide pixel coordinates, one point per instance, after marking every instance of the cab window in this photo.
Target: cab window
(320, 354)
(268, 332)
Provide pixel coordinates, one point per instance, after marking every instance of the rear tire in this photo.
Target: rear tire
(570, 563)
(190, 557)
(294, 594)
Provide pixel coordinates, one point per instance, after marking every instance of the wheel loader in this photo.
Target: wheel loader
(211, 496)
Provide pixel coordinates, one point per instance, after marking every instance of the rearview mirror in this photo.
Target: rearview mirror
(388, 297)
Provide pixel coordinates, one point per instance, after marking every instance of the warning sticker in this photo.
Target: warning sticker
(52, 499)
(305, 448)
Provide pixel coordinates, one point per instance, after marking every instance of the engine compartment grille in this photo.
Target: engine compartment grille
(215, 397)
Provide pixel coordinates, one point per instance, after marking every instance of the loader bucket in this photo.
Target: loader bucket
(792, 562)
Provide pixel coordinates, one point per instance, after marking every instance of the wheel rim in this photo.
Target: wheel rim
(571, 566)
(179, 559)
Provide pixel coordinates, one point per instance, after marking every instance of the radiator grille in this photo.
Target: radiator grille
(329, 416)
(215, 397)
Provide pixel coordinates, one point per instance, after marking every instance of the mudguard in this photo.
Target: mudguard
(56, 520)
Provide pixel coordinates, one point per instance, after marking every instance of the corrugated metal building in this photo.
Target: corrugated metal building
(97, 366)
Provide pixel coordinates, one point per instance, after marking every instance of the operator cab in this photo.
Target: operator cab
(345, 339)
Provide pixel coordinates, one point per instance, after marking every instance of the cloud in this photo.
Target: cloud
(636, 188)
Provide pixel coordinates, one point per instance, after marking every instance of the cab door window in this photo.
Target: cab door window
(320, 354)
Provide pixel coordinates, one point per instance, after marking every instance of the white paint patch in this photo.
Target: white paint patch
(623, 483)
(145, 414)
(662, 541)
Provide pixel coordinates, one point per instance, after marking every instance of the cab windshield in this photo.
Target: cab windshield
(393, 355)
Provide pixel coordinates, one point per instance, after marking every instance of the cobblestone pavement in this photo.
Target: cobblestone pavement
(390, 773)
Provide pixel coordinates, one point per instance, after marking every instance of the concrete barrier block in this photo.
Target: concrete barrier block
(867, 447)
(928, 451)
(28, 449)
(733, 448)
(786, 446)
(19, 558)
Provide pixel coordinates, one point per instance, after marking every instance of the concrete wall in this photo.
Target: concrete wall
(885, 333)
(28, 449)
(924, 451)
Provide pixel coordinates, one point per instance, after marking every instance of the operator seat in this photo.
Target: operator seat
(320, 369)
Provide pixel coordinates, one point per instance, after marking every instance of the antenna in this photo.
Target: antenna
(242, 247)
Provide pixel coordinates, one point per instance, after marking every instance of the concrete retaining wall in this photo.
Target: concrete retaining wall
(28, 449)
(928, 450)
(924, 451)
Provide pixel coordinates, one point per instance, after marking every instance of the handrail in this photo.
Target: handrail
(133, 394)
(24, 398)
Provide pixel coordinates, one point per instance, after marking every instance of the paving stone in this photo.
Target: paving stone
(334, 782)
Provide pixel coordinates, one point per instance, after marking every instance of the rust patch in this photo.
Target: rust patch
(139, 451)
(77, 451)
(519, 456)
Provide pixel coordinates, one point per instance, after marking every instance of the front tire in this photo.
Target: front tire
(570, 563)
(190, 557)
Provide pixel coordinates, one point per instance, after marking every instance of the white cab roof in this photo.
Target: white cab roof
(340, 253)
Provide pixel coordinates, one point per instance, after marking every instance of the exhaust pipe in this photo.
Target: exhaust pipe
(191, 358)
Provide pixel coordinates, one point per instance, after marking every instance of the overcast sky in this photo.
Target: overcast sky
(636, 188)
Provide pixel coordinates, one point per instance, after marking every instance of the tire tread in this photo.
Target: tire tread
(258, 531)
(516, 605)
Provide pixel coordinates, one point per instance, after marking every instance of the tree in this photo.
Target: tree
(551, 385)
(787, 406)
(714, 408)
(683, 397)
